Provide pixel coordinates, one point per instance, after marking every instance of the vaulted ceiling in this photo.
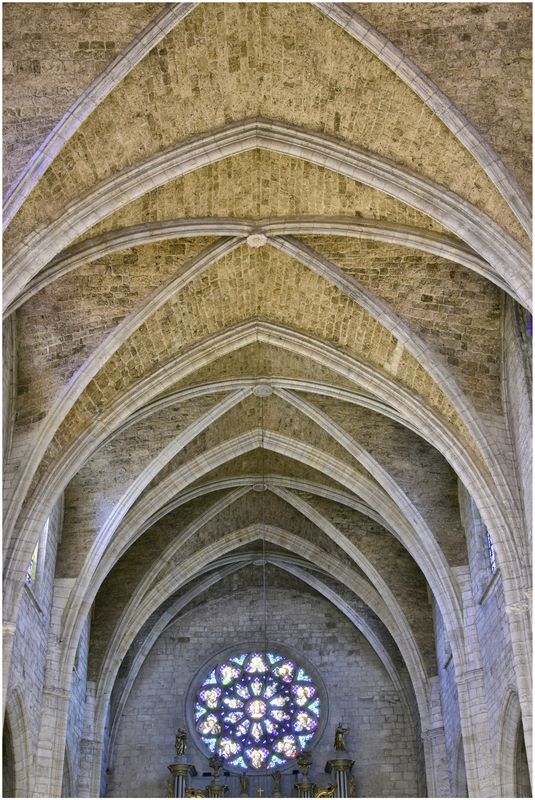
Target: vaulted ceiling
(254, 285)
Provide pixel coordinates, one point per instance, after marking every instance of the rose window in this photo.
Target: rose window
(257, 710)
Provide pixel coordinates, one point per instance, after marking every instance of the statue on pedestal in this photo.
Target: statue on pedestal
(180, 742)
(276, 783)
(339, 743)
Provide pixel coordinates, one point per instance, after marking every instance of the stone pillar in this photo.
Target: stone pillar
(55, 703)
(341, 767)
(519, 616)
(181, 773)
(481, 772)
(90, 748)
(434, 743)
(12, 591)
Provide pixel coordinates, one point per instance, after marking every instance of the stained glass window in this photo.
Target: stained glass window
(257, 710)
(31, 572)
(490, 547)
(32, 566)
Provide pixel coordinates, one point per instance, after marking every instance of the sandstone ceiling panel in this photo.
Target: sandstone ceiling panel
(421, 634)
(480, 55)
(452, 308)
(198, 397)
(77, 47)
(160, 536)
(261, 360)
(104, 479)
(259, 184)
(372, 620)
(273, 415)
(277, 579)
(62, 325)
(250, 510)
(280, 583)
(354, 97)
(243, 286)
(393, 563)
(257, 462)
(246, 285)
(124, 578)
(410, 460)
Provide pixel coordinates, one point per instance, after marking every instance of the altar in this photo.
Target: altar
(222, 782)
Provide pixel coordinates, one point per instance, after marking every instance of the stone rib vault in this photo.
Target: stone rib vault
(267, 372)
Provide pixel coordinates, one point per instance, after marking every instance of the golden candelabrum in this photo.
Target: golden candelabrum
(216, 789)
(304, 762)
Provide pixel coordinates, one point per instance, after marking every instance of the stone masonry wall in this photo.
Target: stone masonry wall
(44, 75)
(448, 697)
(28, 659)
(76, 708)
(491, 622)
(474, 52)
(359, 692)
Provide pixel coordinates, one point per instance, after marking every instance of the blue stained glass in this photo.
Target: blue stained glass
(228, 747)
(285, 671)
(234, 716)
(210, 679)
(233, 702)
(228, 673)
(315, 707)
(279, 701)
(210, 696)
(256, 664)
(257, 710)
(270, 726)
(279, 715)
(257, 756)
(30, 572)
(256, 731)
(209, 725)
(243, 727)
(243, 691)
(304, 722)
(303, 694)
(490, 546)
(287, 746)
